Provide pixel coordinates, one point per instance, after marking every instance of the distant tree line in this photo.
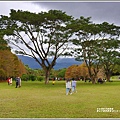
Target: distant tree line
(78, 72)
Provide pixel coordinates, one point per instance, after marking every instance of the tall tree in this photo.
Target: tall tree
(88, 37)
(109, 47)
(39, 36)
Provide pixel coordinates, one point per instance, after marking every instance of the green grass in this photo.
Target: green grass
(37, 100)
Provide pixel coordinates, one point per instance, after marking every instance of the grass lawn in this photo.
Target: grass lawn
(37, 100)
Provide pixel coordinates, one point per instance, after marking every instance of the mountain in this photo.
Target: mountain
(60, 63)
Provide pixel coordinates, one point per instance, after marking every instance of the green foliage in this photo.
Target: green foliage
(3, 43)
(25, 77)
(40, 78)
(61, 73)
(116, 70)
(43, 29)
(96, 44)
(32, 77)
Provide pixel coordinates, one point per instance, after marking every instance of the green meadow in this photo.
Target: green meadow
(37, 100)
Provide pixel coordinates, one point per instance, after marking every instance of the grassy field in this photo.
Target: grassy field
(37, 100)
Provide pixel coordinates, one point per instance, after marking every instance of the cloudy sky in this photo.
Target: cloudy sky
(99, 11)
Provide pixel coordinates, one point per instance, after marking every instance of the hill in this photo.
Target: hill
(61, 62)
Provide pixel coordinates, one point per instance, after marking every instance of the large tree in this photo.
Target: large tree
(44, 35)
(91, 46)
(109, 47)
(85, 36)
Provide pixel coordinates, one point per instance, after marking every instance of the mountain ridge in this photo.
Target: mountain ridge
(60, 63)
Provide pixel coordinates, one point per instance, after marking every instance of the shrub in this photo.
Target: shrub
(25, 77)
(40, 78)
(32, 77)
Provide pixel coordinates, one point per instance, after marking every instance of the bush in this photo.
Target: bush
(40, 78)
(25, 77)
(32, 77)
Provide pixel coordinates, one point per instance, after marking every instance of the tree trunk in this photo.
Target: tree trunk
(47, 76)
(108, 77)
(93, 80)
(91, 75)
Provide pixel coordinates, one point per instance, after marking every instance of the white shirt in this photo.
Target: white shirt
(68, 84)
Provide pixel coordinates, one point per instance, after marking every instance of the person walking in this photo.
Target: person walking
(74, 86)
(68, 87)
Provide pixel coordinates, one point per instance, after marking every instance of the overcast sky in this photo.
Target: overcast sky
(99, 11)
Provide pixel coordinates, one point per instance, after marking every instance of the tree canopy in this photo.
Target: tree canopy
(44, 35)
(97, 45)
(54, 34)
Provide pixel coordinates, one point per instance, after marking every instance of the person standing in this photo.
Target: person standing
(17, 79)
(68, 87)
(8, 80)
(53, 81)
(74, 85)
(18, 82)
(11, 81)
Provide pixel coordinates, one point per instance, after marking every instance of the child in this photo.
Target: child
(53, 82)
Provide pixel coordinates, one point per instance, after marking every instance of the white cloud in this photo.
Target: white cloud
(5, 7)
